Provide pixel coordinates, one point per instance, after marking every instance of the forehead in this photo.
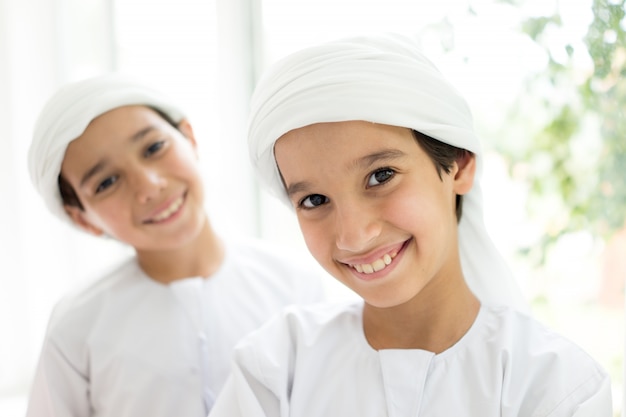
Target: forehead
(117, 124)
(327, 153)
(122, 118)
(107, 133)
(340, 140)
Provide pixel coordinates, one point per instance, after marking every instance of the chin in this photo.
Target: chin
(378, 299)
(383, 304)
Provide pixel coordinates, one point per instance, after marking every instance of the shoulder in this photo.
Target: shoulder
(303, 325)
(542, 369)
(262, 252)
(270, 353)
(525, 336)
(78, 313)
(275, 267)
(79, 308)
(315, 323)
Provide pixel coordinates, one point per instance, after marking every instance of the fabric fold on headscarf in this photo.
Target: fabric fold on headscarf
(381, 79)
(67, 114)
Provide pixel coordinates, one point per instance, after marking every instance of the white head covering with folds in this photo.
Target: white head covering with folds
(67, 114)
(387, 80)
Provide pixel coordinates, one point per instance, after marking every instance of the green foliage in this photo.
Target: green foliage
(605, 35)
(591, 191)
(605, 93)
(535, 26)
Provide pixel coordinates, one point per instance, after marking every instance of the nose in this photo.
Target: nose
(356, 227)
(147, 183)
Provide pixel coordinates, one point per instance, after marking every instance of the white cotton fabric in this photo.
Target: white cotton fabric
(67, 114)
(128, 346)
(387, 80)
(315, 361)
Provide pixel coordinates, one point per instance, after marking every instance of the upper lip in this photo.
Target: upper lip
(161, 207)
(373, 255)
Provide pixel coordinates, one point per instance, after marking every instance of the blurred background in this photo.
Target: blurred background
(545, 80)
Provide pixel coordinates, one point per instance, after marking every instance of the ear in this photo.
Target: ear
(79, 218)
(185, 128)
(465, 169)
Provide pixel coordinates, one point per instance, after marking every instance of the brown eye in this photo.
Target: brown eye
(106, 184)
(314, 200)
(154, 148)
(380, 176)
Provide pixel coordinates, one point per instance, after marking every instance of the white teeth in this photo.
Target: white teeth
(377, 265)
(173, 208)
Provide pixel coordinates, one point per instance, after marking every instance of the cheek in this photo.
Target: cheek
(417, 216)
(109, 213)
(318, 242)
(183, 158)
(185, 164)
(405, 209)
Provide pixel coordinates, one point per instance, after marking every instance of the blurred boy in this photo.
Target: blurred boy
(154, 336)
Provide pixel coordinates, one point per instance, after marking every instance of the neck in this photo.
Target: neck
(434, 320)
(201, 257)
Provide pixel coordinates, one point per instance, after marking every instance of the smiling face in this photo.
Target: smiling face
(137, 179)
(372, 208)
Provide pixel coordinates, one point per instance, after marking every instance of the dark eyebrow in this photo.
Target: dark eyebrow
(93, 171)
(143, 132)
(384, 155)
(364, 162)
(297, 187)
(101, 164)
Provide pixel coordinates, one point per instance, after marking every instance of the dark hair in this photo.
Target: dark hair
(68, 194)
(443, 156)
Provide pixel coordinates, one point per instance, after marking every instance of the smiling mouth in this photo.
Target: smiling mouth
(377, 265)
(169, 211)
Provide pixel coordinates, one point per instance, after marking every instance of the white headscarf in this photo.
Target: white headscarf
(387, 80)
(67, 114)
